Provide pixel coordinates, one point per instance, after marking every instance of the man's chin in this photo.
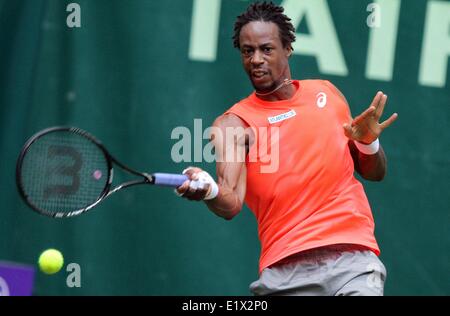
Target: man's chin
(262, 87)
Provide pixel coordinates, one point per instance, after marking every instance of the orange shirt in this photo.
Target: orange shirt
(301, 186)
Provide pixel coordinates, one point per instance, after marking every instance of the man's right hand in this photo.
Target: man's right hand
(199, 186)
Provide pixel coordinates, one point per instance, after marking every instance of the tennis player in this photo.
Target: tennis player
(315, 224)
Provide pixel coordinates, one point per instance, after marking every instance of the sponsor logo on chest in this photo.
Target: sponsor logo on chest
(281, 117)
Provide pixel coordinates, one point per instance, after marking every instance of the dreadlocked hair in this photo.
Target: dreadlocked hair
(266, 12)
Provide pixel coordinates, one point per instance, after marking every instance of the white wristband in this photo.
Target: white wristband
(368, 149)
(204, 178)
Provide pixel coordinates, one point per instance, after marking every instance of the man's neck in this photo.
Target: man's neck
(283, 93)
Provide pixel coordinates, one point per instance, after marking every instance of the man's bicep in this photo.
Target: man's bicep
(228, 138)
(232, 175)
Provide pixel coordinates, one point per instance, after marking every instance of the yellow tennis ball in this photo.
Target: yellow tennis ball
(51, 261)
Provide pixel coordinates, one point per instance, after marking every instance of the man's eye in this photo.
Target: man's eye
(267, 49)
(246, 51)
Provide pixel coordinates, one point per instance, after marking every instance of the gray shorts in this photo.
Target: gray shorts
(335, 270)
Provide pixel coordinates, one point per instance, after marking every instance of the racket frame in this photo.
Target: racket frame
(110, 160)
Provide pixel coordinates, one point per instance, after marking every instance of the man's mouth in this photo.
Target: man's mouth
(258, 74)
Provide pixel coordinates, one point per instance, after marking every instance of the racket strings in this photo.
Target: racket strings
(63, 172)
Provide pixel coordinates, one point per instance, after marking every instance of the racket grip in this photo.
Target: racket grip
(169, 179)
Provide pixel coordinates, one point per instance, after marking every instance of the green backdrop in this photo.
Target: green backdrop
(134, 70)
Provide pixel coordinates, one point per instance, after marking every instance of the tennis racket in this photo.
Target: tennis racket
(64, 172)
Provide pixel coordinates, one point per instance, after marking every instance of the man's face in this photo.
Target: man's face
(263, 56)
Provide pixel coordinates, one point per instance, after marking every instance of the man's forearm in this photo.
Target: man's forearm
(372, 167)
(226, 204)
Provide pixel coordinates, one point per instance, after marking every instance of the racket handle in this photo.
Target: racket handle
(169, 179)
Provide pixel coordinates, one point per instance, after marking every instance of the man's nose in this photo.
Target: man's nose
(257, 58)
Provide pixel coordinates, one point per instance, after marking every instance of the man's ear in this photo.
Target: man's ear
(289, 52)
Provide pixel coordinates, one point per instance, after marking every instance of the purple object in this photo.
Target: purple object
(16, 279)
(169, 179)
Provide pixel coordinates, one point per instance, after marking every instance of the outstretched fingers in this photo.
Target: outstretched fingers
(363, 115)
(380, 107)
(376, 99)
(389, 121)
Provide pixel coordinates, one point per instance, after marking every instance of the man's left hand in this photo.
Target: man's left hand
(365, 128)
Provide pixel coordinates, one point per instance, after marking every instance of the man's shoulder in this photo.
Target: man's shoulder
(230, 119)
(239, 107)
(237, 114)
(243, 101)
(315, 82)
(314, 85)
